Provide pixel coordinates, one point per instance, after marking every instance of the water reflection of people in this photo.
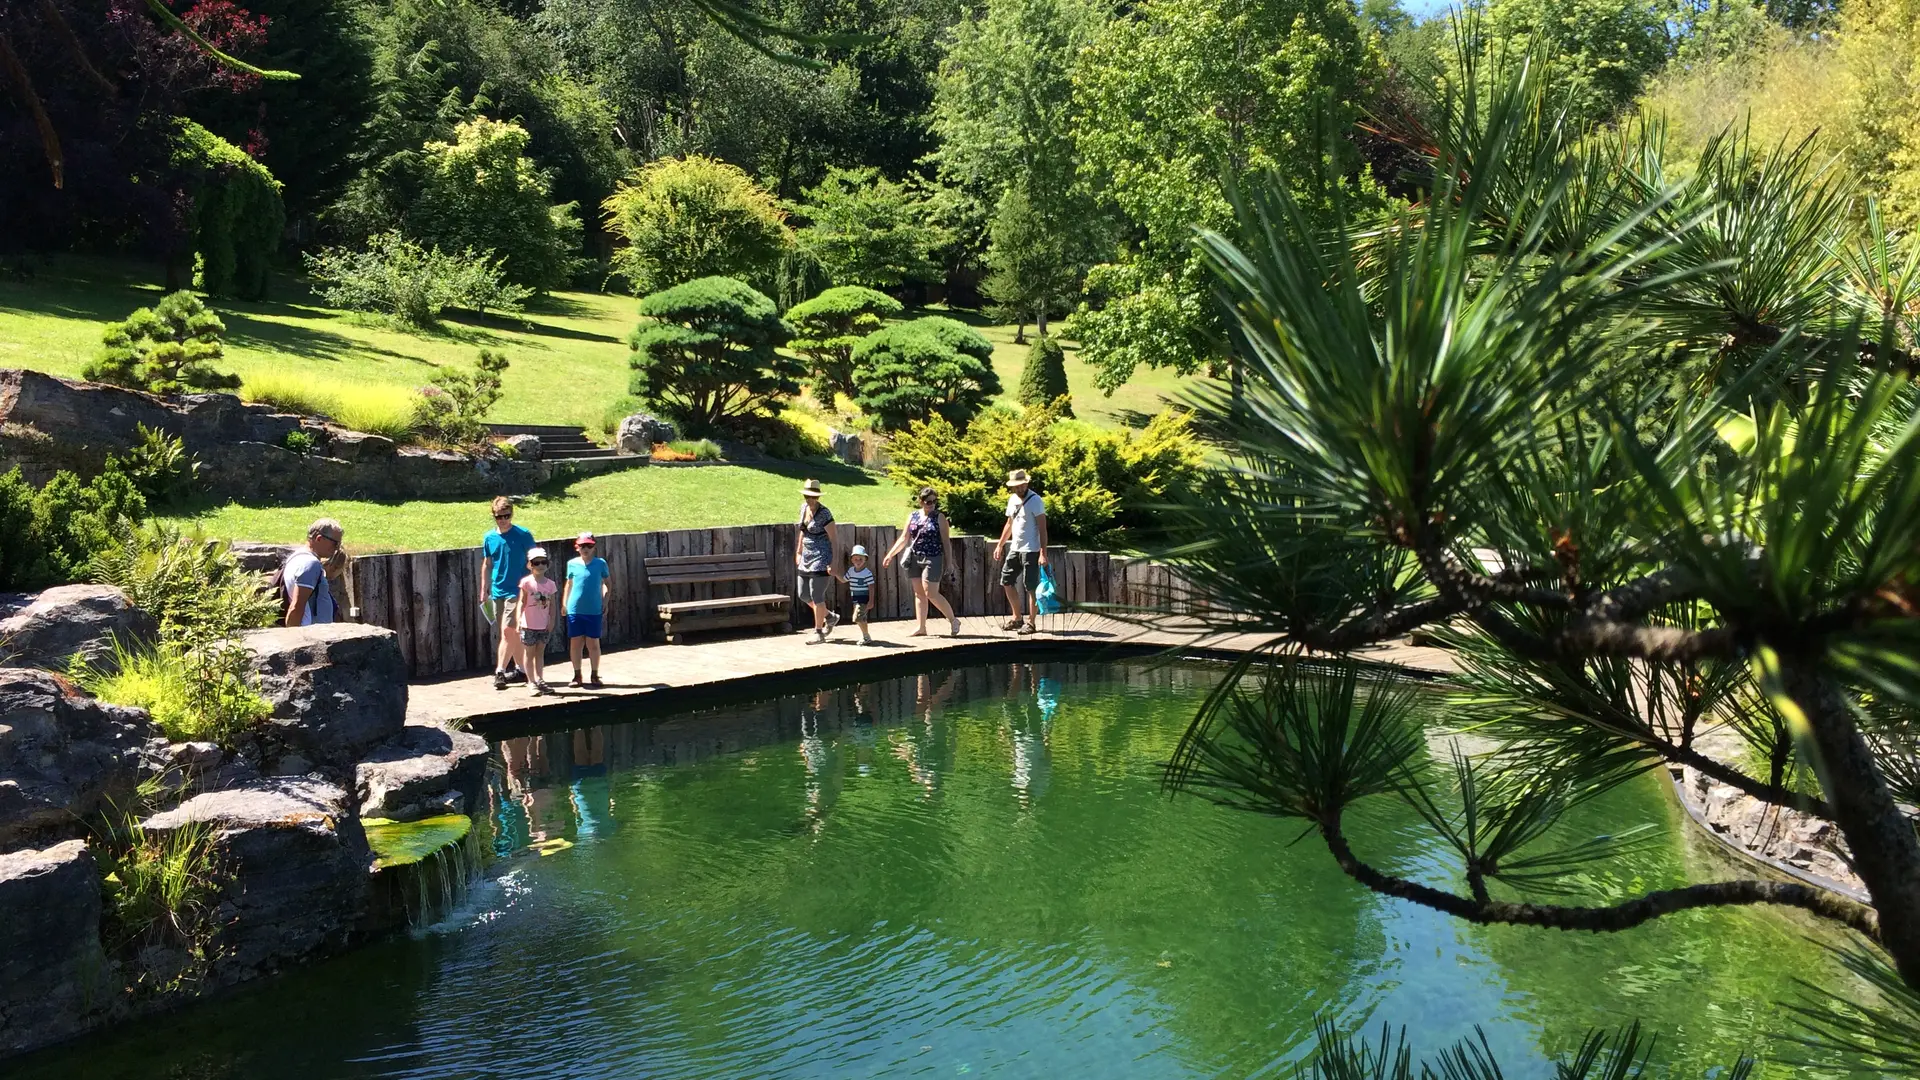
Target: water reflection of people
(863, 730)
(930, 694)
(591, 791)
(813, 755)
(532, 779)
(1027, 729)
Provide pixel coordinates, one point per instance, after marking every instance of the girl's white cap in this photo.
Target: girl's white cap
(536, 553)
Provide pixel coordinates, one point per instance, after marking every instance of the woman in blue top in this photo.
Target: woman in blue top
(925, 541)
(585, 602)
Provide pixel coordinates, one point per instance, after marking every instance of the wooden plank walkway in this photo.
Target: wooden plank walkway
(651, 680)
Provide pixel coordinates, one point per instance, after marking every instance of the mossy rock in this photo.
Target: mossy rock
(404, 843)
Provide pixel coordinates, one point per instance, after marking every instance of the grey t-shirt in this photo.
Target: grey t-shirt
(303, 569)
(816, 549)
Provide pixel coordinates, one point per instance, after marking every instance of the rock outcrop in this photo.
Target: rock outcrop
(48, 424)
(54, 978)
(49, 629)
(1789, 837)
(65, 757)
(523, 447)
(427, 770)
(337, 690)
(638, 433)
(845, 446)
(294, 865)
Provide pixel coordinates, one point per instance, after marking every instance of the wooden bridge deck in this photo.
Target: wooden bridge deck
(656, 679)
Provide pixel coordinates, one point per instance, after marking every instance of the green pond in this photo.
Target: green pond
(972, 872)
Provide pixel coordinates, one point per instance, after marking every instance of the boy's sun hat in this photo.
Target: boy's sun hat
(858, 549)
(536, 553)
(585, 538)
(811, 487)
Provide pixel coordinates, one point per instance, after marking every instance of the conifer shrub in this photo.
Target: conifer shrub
(165, 349)
(928, 367)
(1101, 487)
(1044, 378)
(708, 355)
(829, 326)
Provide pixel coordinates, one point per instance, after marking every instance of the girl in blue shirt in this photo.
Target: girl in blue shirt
(585, 602)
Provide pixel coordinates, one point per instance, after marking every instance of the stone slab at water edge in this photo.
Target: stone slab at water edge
(426, 771)
(52, 969)
(295, 863)
(48, 424)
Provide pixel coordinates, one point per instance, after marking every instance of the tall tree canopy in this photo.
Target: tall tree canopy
(1167, 98)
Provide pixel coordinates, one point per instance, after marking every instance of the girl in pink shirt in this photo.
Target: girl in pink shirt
(537, 592)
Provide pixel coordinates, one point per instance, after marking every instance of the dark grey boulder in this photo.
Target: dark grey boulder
(637, 433)
(427, 770)
(337, 690)
(294, 864)
(65, 757)
(54, 978)
(260, 558)
(49, 629)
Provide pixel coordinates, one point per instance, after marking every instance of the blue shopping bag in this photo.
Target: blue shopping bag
(1045, 598)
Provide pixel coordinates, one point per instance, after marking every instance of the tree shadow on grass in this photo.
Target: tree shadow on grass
(480, 324)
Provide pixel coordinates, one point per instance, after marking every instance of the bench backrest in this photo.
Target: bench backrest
(708, 569)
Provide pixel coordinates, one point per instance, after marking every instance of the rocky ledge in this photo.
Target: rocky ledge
(280, 810)
(1788, 839)
(48, 424)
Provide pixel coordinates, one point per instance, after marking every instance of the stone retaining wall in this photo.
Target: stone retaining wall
(48, 424)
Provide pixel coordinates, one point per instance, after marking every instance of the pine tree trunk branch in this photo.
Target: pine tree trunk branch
(1614, 917)
(1880, 835)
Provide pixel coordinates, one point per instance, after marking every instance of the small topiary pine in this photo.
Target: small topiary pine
(828, 327)
(708, 355)
(1044, 380)
(164, 349)
(933, 366)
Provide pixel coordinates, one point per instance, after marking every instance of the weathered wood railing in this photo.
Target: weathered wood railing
(431, 599)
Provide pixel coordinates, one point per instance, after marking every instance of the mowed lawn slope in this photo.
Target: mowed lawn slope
(568, 365)
(638, 500)
(568, 357)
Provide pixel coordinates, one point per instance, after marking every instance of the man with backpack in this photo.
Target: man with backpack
(303, 577)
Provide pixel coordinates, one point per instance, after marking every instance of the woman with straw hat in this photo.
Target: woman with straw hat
(813, 558)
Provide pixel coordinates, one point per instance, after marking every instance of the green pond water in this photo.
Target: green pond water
(972, 872)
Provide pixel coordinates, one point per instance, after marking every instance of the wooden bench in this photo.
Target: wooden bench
(766, 610)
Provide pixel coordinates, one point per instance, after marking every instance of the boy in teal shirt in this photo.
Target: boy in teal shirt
(503, 560)
(585, 604)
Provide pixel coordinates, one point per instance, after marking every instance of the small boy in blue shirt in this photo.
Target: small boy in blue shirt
(859, 579)
(585, 604)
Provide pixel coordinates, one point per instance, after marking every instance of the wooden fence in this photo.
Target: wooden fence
(431, 599)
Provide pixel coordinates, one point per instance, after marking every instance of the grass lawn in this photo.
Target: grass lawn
(568, 366)
(637, 500)
(568, 356)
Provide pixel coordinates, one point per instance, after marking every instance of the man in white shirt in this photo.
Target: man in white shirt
(304, 578)
(1024, 541)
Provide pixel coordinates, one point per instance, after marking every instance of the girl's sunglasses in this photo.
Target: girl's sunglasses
(538, 562)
